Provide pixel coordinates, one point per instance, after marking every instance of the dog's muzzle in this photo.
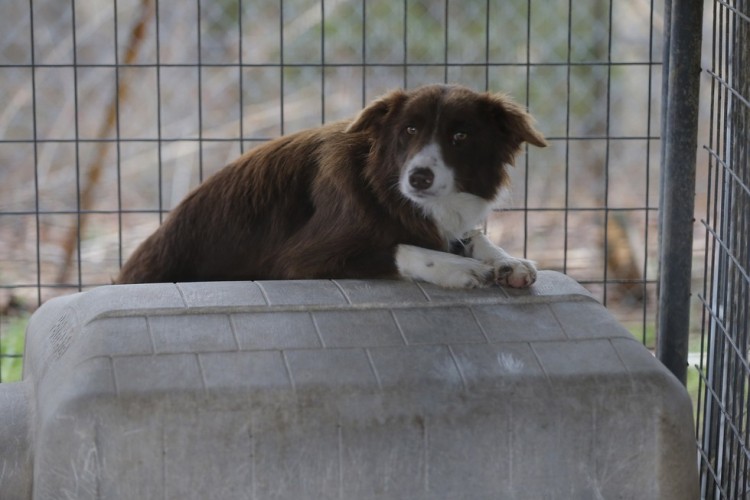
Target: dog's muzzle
(421, 178)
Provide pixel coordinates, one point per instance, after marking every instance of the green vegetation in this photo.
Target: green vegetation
(12, 335)
(693, 380)
(647, 337)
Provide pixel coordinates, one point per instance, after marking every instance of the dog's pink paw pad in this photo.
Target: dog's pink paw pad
(520, 274)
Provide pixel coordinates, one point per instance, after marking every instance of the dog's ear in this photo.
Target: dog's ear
(514, 121)
(373, 116)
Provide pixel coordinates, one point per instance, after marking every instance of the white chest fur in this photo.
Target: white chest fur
(457, 213)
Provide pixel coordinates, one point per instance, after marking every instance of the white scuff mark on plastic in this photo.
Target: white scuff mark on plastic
(509, 363)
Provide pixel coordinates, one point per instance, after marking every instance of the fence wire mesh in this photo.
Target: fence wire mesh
(724, 405)
(113, 111)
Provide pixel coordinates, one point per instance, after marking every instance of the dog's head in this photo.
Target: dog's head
(445, 140)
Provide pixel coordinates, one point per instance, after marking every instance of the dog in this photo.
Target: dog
(397, 192)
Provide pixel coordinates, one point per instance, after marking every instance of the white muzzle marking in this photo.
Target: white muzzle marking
(426, 176)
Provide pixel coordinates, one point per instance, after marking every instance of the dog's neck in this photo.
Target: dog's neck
(457, 213)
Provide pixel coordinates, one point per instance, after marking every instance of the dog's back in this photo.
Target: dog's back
(229, 225)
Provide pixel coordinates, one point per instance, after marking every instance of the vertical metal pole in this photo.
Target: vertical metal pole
(680, 113)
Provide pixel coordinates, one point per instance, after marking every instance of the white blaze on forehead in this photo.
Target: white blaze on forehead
(428, 156)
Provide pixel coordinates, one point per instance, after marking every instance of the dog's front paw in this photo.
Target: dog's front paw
(515, 273)
(467, 274)
(443, 269)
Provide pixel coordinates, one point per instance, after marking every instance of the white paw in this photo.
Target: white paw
(468, 274)
(443, 269)
(515, 273)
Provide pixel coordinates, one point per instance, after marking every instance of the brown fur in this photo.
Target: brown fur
(325, 203)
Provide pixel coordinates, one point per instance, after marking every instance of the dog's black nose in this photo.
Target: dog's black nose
(421, 178)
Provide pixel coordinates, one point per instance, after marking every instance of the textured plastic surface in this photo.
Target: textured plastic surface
(345, 390)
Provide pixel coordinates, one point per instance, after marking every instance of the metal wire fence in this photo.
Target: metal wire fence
(114, 111)
(724, 403)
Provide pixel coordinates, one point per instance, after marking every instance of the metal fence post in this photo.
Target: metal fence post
(680, 113)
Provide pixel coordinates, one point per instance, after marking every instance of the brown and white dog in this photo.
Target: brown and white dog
(397, 192)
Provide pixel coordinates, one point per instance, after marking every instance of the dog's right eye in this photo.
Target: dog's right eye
(411, 130)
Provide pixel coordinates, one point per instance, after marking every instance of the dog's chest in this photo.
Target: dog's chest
(458, 213)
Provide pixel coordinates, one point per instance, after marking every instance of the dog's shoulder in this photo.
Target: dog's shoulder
(340, 159)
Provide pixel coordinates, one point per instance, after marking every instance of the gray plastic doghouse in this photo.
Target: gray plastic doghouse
(341, 390)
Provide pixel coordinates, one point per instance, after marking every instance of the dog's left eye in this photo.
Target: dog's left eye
(411, 130)
(459, 136)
